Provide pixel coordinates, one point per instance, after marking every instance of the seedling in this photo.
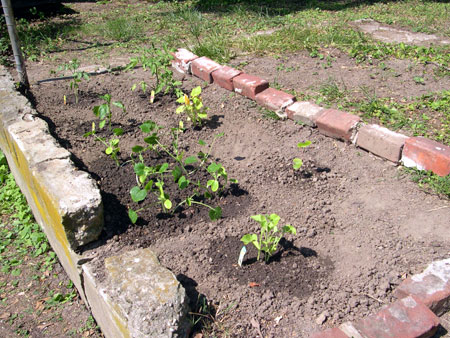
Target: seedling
(158, 62)
(103, 112)
(77, 76)
(269, 236)
(297, 161)
(193, 107)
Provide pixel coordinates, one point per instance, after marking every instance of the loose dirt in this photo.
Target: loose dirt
(362, 225)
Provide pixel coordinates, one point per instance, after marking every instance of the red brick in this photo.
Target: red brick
(381, 141)
(304, 112)
(203, 67)
(274, 99)
(337, 124)
(431, 287)
(249, 85)
(406, 318)
(224, 77)
(182, 60)
(426, 154)
(330, 333)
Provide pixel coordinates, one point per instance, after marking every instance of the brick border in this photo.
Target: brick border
(421, 297)
(416, 152)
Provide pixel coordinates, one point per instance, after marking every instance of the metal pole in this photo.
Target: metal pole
(18, 57)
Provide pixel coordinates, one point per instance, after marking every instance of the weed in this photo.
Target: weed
(297, 162)
(429, 181)
(269, 236)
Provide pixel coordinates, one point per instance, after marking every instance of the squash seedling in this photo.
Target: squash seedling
(193, 107)
(297, 162)
(269, 236)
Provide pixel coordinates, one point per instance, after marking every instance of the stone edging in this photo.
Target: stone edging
(417, 152)
(420, 297)
(136, 297)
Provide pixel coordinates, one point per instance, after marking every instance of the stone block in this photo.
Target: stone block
(224, 77)
(182, 59)
(425, 154)
(381, 141)
(274, 99)
(249, 85)
(338, 124)
(137, 297)
(203, 67)
(304, 112)
(431, 287)
(404, 318)
(329, 333)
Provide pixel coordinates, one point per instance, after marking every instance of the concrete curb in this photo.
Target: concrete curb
(419, 153)
(67, 204)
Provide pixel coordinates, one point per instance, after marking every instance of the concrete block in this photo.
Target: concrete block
(431, 287)
(338, 124)
(224, 77)
(304, 112)
(203, 67)
(274, 99)
(425, 154)
(137, 298)
(381, 141)
(249, 85)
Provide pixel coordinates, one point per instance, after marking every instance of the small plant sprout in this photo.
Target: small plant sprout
(193, 107)
(103, 112)
(269, 236)
(297, 162)
(77, 76)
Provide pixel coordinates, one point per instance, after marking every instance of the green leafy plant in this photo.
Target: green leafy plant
(103, 112)
(158, 62)
(269, 236)
(193, 107)
(152, 179)
(77, 76)
(297, 162)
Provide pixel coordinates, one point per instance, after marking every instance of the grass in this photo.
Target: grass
(430, 182)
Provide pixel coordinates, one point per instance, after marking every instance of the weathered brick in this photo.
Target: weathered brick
(274, 99)
(381, 141)
(304, 112)
(406, 318)
(203, 67)
(337, 124)
(224, 77)
(330, 333)
(249, 85)
(431, 287)
(426, 154)
(182, 59)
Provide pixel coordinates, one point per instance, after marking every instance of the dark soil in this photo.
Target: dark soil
(361, 224)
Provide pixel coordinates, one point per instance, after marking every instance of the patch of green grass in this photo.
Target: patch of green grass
(430, 182)
(119, 29)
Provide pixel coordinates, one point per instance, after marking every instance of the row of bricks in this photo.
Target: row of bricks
(422, 298)
(418, 152)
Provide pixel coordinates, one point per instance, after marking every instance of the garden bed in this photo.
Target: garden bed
(362, 226)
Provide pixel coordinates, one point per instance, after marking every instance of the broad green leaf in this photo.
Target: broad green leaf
(138, 194)
(119, 104)
(213, 167)
(118, 131)
(258, 218)
(303, 144)
(167, 204)
(274, 218)
(148, 126)
(137, 149)
(114, 142)
(190, 160)
(289, 229)
(109, 150)
(180, 109)
(102, 124)
(180, 99)
(249, 238)
(297, 163)
(149, 185)
(133, 87)
(132, 215)
(151, 139)
(196, 91)
(202, 143)
(215, 186)
(215, 214)
(139, 169)
(183, 182)
(176, 173)
(163, 168)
